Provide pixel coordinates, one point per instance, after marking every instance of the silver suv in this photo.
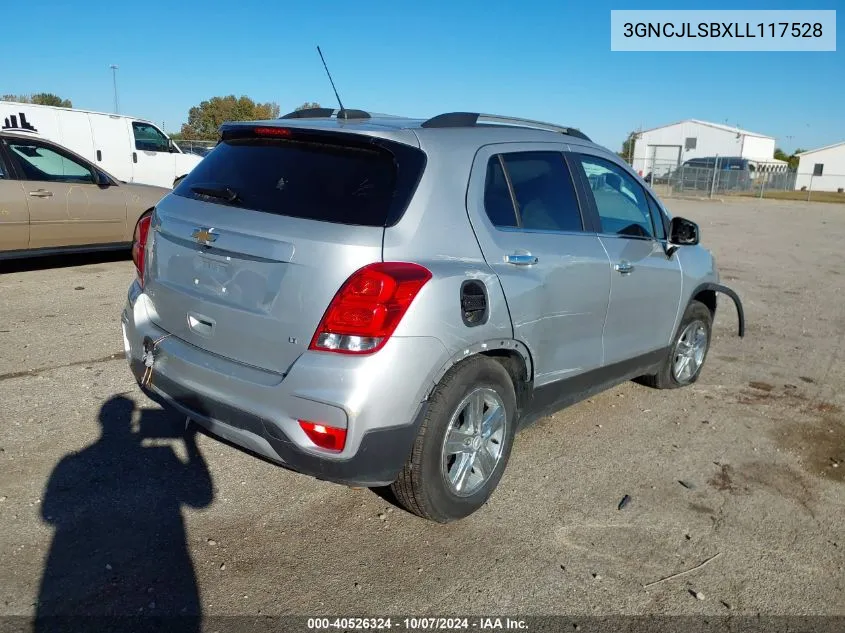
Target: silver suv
(377, 300)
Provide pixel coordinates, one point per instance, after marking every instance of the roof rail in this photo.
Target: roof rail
(471, 119)
(326, 113)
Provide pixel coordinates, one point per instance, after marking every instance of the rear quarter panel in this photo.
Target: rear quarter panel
(435, 232)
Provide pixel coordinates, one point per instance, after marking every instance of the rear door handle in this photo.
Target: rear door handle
(41, 193)
(521, 259)
(624, 267)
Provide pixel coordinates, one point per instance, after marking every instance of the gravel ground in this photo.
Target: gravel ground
(104, 501)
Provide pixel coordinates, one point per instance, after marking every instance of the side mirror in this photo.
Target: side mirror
(171, 146)
(683, 232)
(100, 179)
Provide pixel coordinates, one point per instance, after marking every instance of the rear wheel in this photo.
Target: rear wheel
(686, 355)
(463, 444)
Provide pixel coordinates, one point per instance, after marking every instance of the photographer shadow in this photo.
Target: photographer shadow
(119, 547)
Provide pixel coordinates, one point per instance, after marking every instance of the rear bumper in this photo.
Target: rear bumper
(380, 456)
(380, 400)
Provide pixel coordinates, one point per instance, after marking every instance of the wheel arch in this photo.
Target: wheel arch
(706, 294)
(513, 355)
(708, 298)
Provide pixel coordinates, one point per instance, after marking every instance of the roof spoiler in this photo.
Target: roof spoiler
(326, 113)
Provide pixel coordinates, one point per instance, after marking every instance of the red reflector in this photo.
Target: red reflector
(139, 243)
(273, 131)
(328, 437)
(368, 307)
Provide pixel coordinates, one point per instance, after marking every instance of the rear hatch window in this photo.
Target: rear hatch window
(338, 178)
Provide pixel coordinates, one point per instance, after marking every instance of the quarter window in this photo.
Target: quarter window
(41, 162)
(534, 191)
(620, 201)
(149, 138)
(497, 197)
(657, 217)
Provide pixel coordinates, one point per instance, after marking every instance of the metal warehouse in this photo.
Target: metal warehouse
(822, 169)
(663, 149)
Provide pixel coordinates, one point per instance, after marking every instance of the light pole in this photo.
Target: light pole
(114, 81)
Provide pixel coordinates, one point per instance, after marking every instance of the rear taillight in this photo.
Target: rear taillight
(139, 243)
(368, 307)
(328, 437)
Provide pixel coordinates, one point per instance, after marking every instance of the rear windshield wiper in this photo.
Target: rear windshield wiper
(221, 193)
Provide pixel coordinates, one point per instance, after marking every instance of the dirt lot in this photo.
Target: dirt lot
(101, 498)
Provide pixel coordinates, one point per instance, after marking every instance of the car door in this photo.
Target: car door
(66, 205)
(555, 273)
(14, 213)
(153, 162)
(645, 289)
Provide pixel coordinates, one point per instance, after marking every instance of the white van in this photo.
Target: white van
(132, 150)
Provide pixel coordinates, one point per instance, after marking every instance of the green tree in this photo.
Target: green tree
(41, 98)
(794, 158)
(205, 119)
(791, 159)
(49, 99)
(308, 105)
(627, 151)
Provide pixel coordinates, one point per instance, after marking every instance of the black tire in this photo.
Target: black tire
(421, 487)
(665, 378)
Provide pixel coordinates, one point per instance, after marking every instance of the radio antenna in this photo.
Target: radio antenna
(340, 103)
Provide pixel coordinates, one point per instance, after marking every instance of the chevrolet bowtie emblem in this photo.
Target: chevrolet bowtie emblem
(204, 236)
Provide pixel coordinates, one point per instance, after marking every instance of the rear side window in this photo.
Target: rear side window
(330, 181)
(542, 189)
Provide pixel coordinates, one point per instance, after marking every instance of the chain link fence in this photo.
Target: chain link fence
(726, 176)
(200, 148)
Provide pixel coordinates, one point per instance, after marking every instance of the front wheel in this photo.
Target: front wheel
(463, 444)
(688, 350)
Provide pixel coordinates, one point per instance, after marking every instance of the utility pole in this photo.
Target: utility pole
(114, 81)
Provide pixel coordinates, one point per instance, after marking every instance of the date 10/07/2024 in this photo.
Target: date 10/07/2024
(416, 624)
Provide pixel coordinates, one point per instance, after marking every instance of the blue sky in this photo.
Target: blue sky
(546, 60)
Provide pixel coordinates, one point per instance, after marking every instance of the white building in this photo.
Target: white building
(822, 169)
(664, 148)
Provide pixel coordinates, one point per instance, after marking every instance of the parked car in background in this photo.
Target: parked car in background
(385, 301)
(731, 173)
(53, 200)
(132, 150)
(200, 148)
